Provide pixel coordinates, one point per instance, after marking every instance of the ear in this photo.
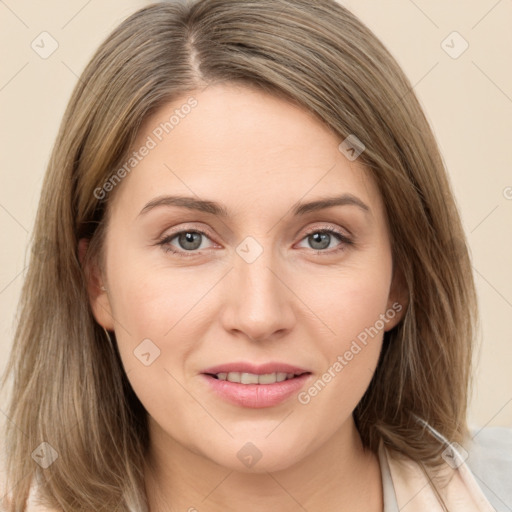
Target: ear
(398, 299)
(96, 289)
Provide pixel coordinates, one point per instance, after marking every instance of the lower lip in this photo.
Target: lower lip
(256, 395)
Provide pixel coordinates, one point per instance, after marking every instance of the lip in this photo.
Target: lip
(261, 369)
(256, 396)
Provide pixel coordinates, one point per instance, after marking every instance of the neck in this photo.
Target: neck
(340, 475)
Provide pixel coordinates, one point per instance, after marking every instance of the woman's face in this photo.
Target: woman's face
(267, 283)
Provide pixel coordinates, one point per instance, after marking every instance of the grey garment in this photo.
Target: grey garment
(490, 461)
(388, 489)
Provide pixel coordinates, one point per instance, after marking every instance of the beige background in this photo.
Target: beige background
(468, 101)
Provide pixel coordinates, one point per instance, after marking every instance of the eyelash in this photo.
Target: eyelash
(165, 241)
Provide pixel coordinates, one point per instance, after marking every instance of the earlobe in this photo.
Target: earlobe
(96, 290)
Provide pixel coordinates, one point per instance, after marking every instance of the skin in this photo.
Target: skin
(256, 155)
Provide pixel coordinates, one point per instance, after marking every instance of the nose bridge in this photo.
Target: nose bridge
(259, 300)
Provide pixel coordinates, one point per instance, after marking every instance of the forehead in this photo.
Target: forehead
(244, 148)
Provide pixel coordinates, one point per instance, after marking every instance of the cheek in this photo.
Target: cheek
(162, 316)
(153, 301)
(348, 301)
(156, 332)
(156, 317)
(358, 307)
(355, 310)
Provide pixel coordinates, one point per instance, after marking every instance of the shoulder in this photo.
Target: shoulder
(489, 456)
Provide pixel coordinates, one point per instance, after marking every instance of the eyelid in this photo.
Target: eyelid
(328, 227)
(203, 229)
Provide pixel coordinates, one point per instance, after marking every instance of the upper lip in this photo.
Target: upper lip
(258, 369)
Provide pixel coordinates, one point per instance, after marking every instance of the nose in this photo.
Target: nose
(259, 303)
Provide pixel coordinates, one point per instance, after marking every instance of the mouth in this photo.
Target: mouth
(254, 378)
(256, 386)
(246, 384)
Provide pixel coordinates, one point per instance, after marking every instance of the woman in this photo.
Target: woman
(256, 291)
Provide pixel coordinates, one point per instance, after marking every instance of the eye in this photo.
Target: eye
(189, 241)
(320, 239)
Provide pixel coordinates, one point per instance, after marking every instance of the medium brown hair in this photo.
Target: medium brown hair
(68, 384)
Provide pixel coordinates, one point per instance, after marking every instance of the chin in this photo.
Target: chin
(258, 456)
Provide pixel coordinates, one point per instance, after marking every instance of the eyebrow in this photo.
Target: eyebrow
(217, 209)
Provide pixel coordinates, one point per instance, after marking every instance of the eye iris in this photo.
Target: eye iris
(320, 238)
(187, 238)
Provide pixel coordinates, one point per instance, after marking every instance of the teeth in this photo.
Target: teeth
(252, 378)
(248, 378)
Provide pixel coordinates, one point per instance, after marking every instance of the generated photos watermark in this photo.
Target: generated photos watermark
(357, 345)
(151, 142)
